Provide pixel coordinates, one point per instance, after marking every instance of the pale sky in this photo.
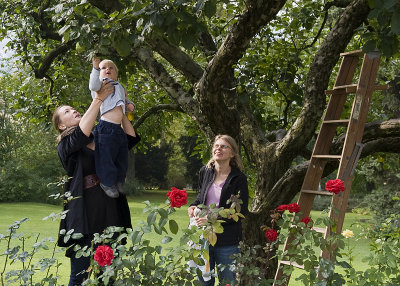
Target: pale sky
(4, 53)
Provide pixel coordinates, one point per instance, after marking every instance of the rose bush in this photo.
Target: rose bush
(271, 234)
(306, 220)
(177, 197)
(103, 255)
(334, 186)
(293, 208)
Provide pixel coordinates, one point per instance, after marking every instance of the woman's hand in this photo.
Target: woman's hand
(106, 89)
(88, 119)
(200, 221)
(191, 211)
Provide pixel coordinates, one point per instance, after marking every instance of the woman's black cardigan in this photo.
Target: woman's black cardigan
(70, 152)
(235, 182)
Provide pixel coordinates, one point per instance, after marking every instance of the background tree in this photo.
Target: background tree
(254, 69)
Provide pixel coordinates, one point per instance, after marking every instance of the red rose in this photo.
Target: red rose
(282, 208)
(177, 197)
(334, 186)
(103, 255)
(306, 220)
(293, 208)
(271, 235)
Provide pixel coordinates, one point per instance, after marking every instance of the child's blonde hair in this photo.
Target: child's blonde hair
(111, 62)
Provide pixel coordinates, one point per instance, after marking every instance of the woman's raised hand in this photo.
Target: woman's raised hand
(106, 89)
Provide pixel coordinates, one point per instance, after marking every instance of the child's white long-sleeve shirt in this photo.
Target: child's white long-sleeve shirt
(117, 98)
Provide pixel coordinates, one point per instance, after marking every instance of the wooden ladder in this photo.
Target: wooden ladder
(351, 149)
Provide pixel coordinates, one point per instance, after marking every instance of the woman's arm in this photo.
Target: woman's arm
(88, 119)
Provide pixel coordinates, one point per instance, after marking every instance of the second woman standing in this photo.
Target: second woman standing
(218, 180)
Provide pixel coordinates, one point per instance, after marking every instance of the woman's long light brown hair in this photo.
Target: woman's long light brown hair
(56, 123)
(235, 161)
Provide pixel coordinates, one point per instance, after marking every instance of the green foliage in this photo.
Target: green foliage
(137, 262)
(16, 253)
(380, 173)
(385, 27)
(274, 85)
(148, 172)
(383, 259)
(28, 161)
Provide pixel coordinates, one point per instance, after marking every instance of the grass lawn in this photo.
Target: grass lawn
(10, 212)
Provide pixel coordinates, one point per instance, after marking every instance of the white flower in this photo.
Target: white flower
(348, 233)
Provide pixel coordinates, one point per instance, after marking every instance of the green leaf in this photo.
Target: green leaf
(388, 4)
(166, 239)
(173, 226)
(136, 236)
(210, 8)
(235, 217)
(218, 228)
(369, 46)
(63, 30)
(151, 218)
(395, 24)
(149, 259)
(123, 47)
(189, 40)
(212, 238)
(206, 256)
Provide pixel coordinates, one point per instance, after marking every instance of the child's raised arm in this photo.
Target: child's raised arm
(96, 62)
(94, 81)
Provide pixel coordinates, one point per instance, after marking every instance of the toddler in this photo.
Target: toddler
(111, 145)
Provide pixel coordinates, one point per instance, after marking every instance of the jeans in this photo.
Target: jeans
(221, 256)
(111, 153)
(79, 265)
(78, 270)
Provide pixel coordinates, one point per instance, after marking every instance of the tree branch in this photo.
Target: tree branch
(318, 33)
(47, 33)
(155, 109)
(318, 77)
(207, 45)
(373, 131)
(107, 6)
(48, 59)
(177, 58)
(174, 89)
(257, 15)
(337, 3)
(380, 136)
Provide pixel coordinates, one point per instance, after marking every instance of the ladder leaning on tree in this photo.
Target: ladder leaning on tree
(351, 149)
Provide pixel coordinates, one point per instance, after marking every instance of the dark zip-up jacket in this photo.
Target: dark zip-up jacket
(235, 182)
(70, 153)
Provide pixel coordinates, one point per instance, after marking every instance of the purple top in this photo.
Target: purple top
(214, 194)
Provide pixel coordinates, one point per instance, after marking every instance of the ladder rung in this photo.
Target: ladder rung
(352, 88)
(342, 122)
(322, 193)
(347, 86)
(355, 53)
(319, 229)
(333, 157)
(294, 264)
